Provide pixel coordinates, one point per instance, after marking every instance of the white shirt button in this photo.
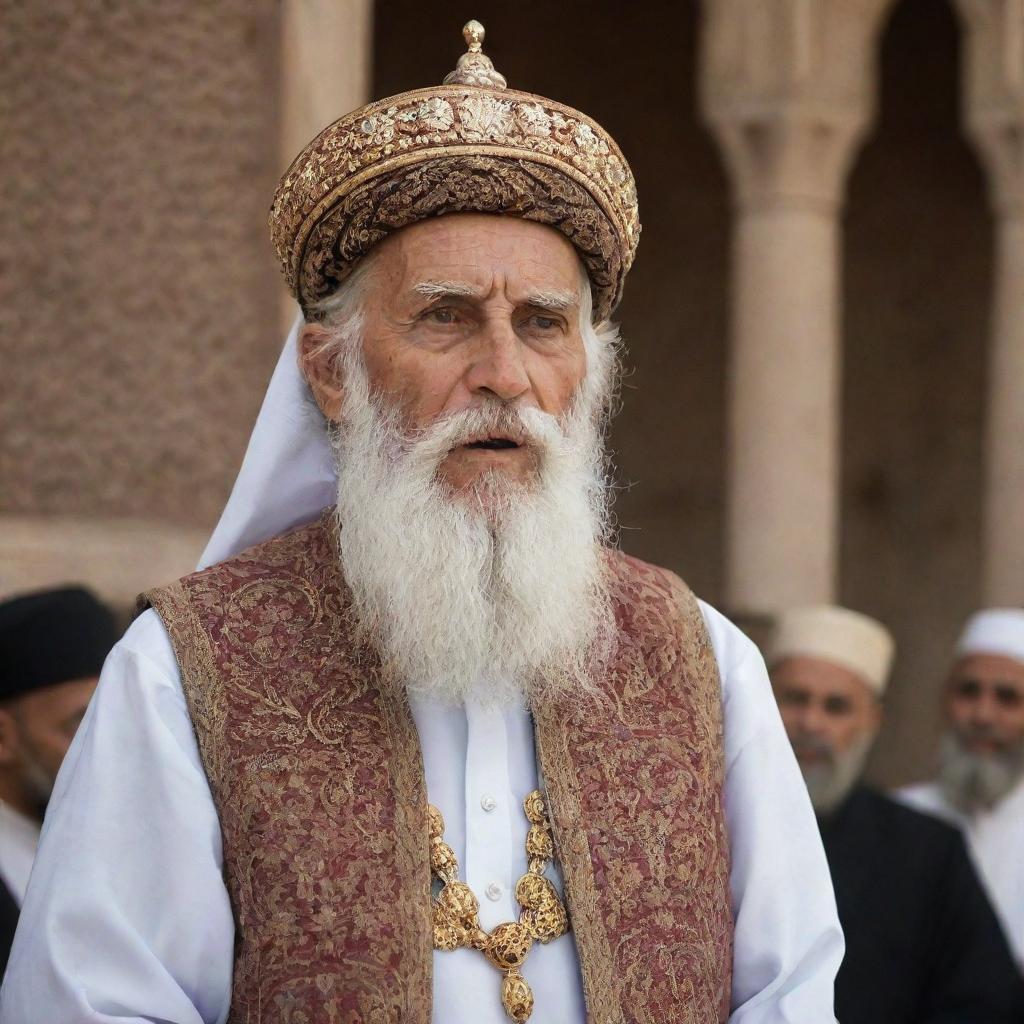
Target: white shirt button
(493, 891)
(488, 803)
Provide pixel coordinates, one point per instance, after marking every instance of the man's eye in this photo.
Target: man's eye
(441, 315)
(543, 323)
(1009, 697)
(837, 706)
(968, 689)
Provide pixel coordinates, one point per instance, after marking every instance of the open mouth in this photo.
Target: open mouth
(492, 444)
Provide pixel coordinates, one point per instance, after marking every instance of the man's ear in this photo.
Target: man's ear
(10, 741)
(319, 366)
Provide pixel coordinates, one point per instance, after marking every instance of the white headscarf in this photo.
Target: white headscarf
(288, 473)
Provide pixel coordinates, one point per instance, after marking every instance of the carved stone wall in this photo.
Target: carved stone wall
(138, 295)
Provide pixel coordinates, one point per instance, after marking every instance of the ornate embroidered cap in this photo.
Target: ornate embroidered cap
(469, 145)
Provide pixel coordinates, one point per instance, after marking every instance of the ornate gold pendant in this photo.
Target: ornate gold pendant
(543, 918)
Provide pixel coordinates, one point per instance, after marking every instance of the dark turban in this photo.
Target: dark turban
(51, 637)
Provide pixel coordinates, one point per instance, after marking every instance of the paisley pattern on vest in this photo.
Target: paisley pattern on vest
(315, 768)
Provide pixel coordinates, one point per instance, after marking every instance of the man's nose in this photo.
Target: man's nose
(813, 720)
(984, 710)
(498, 369)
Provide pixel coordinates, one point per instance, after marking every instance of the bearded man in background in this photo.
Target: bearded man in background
(923, 945)
(980, 786)
(292, 741)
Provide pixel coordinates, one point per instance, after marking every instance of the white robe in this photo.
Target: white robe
(19, 837)
(996, 841)
(127, 917)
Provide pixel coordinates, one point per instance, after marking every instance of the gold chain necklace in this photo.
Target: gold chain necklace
(456, 909)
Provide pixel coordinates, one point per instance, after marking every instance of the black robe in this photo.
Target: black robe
(8, 922)
(923, 945)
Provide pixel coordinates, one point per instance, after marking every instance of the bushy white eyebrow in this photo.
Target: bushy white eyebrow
(556, 301)
(438, 289)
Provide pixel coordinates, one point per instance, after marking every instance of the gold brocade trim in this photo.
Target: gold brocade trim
(200, 680)
(572, 851)
(385, 157)
(322, 223)
(397, 162)
(617, 976)
(386, 167)
(203, 688)
(409, 780)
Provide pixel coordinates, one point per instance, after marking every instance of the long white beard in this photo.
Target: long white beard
(502, 602)
(971, 781)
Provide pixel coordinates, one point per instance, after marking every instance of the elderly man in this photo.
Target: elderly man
(450, 680)
(923, 945)
(981, 778)
(52, 647)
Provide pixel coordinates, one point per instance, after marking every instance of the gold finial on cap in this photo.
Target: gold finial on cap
(475, 67)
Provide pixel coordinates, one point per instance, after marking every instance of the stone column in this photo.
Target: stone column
(326, 69)
(788, 90)
(327, 62)
(994, 115)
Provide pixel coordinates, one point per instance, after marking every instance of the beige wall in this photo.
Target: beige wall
(138, 319)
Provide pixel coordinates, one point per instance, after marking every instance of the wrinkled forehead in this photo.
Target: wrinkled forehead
(484, 254)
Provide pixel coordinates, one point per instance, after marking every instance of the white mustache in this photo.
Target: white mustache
(526, 426)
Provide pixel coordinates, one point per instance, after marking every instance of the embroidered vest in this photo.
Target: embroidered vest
(315, 767)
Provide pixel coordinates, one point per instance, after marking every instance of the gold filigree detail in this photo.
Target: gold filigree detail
(484, 117)
(435, 114)
(456, 908)
(516, 997)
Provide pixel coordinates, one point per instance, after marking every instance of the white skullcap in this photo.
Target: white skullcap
(994, 631)
(849, 639)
